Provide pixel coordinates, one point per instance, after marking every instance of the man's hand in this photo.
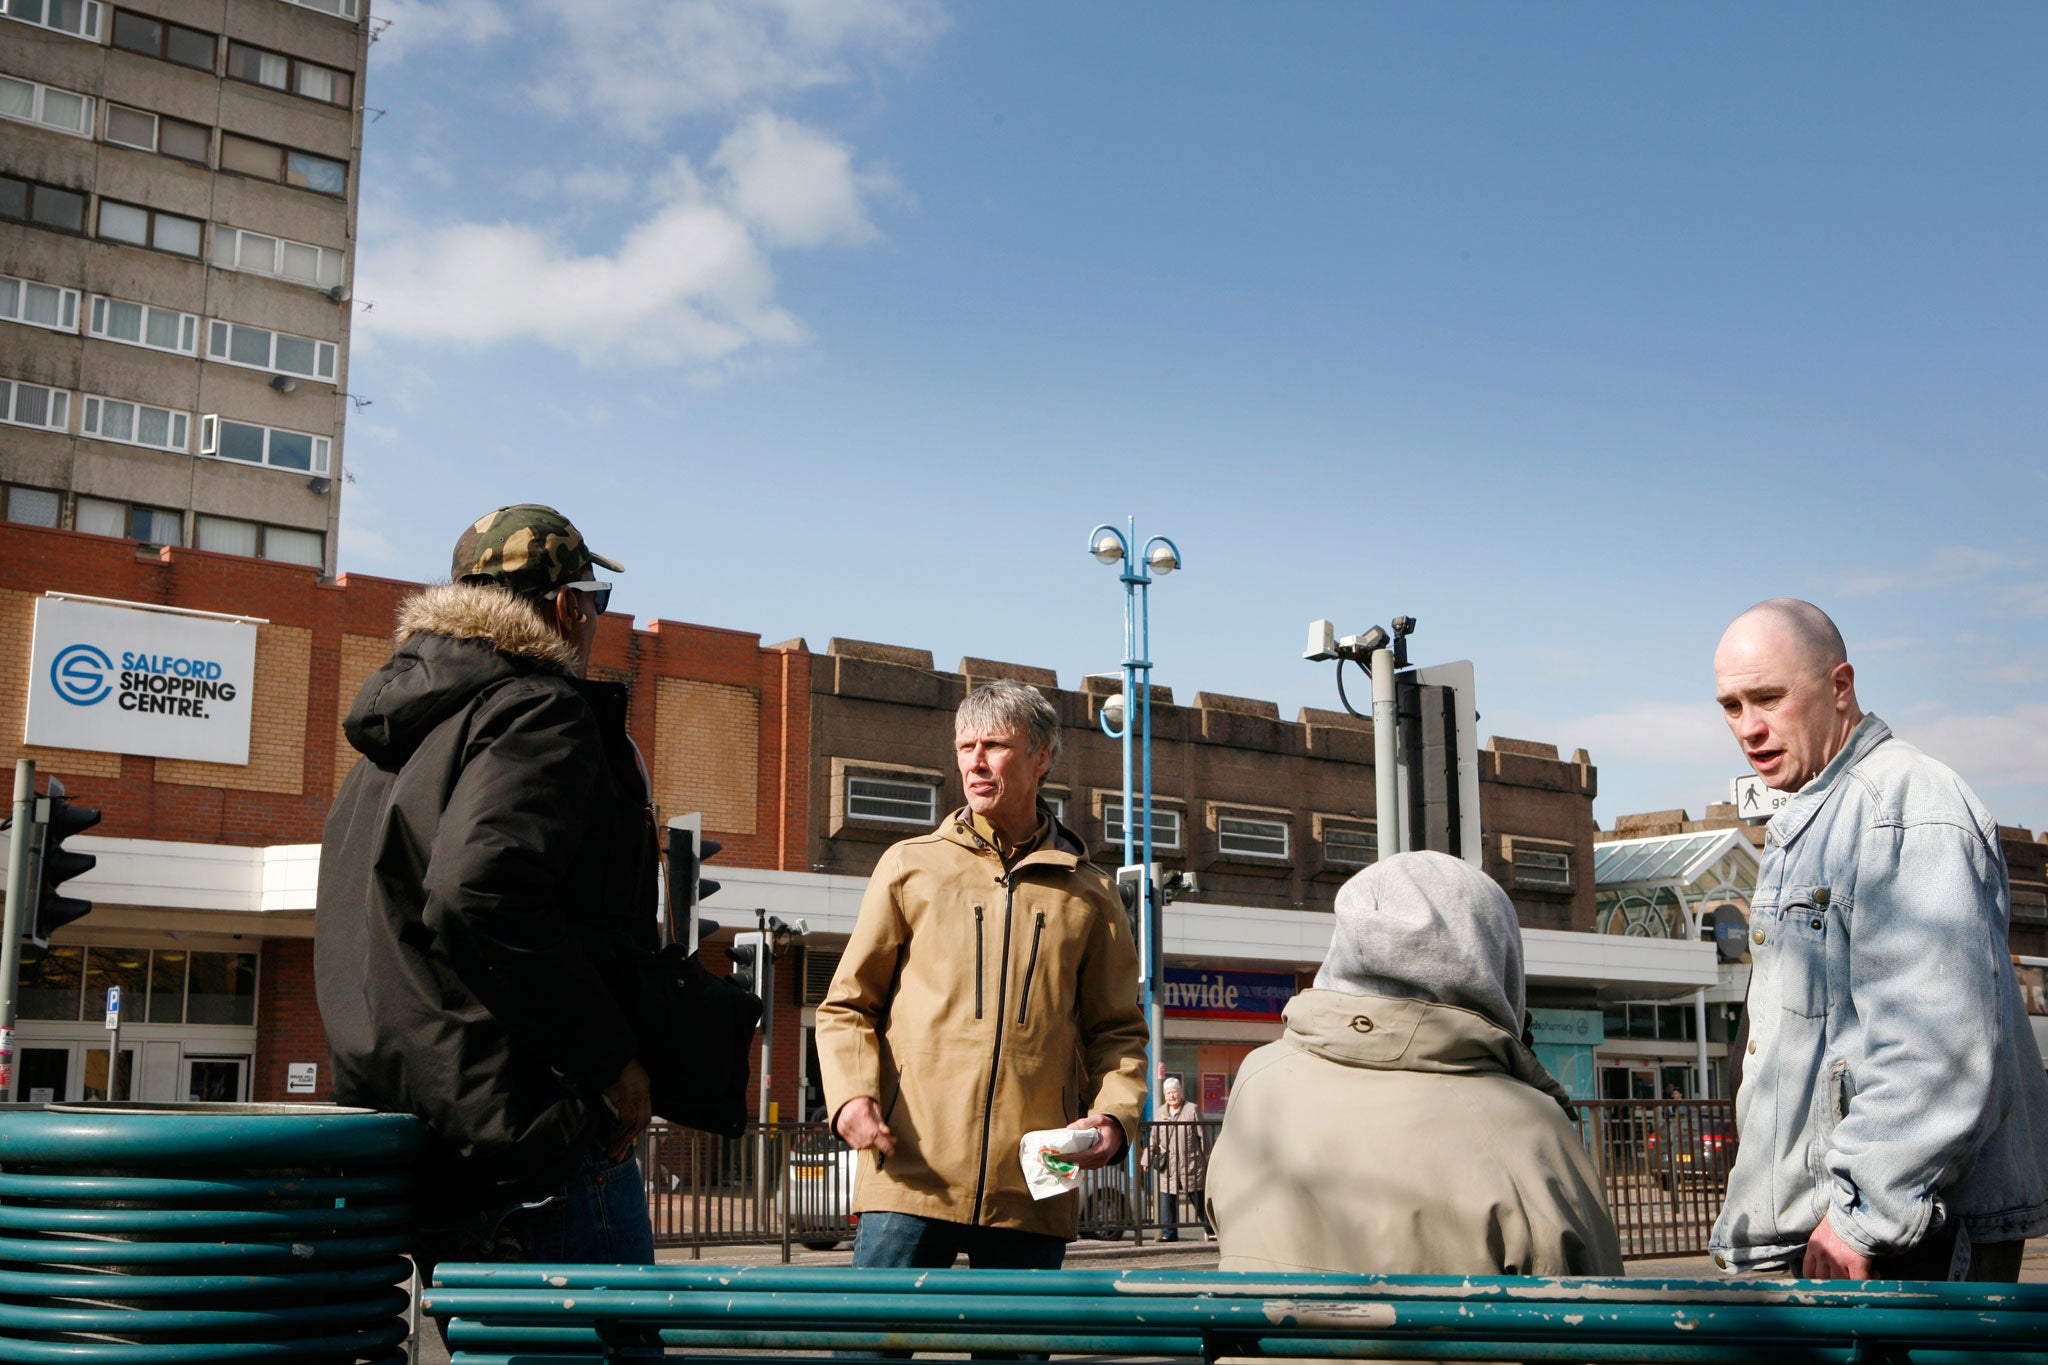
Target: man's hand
(1108, 1147)
(859, 1121)
(632, 1105)
(1828, 1257)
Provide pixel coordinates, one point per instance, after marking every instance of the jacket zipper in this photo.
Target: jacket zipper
(977, 961)
(995, 1061)
(1030, 966)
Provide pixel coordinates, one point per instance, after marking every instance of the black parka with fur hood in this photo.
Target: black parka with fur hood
(487, 867)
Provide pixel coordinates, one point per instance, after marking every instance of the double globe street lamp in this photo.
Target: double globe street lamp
(1160, 556)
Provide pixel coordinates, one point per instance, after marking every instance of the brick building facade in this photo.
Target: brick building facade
(805, 766)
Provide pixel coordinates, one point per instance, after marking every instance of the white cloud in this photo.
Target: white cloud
(2028, 599)
(797, 186)
(640, 65)
(2005, 749)
(405, 27)
(688, 284)
(1690, 733)
(1944, 568)
(691, 282)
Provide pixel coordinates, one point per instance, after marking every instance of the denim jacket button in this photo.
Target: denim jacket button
(1756, 935)
(1816, 923)
(1820, 895)
(1752, 1045)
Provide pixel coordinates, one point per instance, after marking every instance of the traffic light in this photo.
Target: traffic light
(1130, 889)
(747, 952)
(1437, 765)
(688, 851)
(55, 865)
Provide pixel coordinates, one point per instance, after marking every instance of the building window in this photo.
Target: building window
(135, 424)
(280, 72)
(266, 161)
(44, 205)
(1350, 845)
(163, 985)
(30, 506)
(340, 9)
(285, 544)
(33, 405)
(899, 803)
(139, 226)
(158, 38)
(2029, 902)
(79, 18)
(141, 324)
(238, 249)
(231, 343)
(150, 525)
(47, 105)
(1241, 838)
(147, 132)
(1539, 864)
(1165, 826)
(251, 444)
(38, 305)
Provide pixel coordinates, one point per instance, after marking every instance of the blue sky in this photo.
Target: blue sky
(1568, 330)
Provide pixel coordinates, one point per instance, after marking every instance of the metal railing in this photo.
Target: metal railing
(1663, 1165)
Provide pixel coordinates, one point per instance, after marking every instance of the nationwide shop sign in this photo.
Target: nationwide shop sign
(130, 680)
(1195, 993)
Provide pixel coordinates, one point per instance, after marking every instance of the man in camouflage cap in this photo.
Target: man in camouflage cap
(528, 548)
(487, 885)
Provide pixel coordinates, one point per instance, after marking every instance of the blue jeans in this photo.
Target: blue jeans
(600, 1218)
(904, 1241)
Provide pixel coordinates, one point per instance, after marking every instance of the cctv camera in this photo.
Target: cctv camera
(1404, 625)
(1360, 647)
(1322, 642)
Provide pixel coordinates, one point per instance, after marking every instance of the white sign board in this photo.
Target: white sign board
(301, 1078)
(1753, 800)
(127, 680)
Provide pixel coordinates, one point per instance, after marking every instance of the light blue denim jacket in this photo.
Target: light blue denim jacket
(1893, 1082)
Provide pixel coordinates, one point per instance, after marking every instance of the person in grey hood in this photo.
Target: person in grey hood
(1401, 1126)
(486, 881)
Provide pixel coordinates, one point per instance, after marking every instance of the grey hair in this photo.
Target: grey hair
(1007, 704)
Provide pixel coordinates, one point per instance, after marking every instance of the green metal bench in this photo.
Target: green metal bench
(524, 1315)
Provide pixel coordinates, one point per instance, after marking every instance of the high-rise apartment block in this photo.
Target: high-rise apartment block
(178, 185)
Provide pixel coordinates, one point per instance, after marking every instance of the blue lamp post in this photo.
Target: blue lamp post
(1160, 556)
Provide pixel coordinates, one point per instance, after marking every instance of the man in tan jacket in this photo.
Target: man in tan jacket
(990, 989)
(1401, 1127)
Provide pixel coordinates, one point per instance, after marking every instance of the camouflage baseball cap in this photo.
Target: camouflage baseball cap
(528, 548)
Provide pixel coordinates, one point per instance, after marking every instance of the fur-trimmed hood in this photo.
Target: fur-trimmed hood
(478, 611)
(454, 640)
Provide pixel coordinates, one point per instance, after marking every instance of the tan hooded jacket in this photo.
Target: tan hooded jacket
(976, 1005)
(1400, 1137)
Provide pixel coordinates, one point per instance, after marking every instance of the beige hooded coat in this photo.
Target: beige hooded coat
(976, 1004)
(1396, 1137)
(1400, 1127)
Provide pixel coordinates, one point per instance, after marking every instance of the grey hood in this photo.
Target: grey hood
(1429, 927)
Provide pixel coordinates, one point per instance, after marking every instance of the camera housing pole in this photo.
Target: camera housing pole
(1385, 722)
(18, 836)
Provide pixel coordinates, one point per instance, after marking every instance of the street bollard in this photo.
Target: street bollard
(204, 1232)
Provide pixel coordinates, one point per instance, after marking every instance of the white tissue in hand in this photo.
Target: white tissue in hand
(1045, 1156)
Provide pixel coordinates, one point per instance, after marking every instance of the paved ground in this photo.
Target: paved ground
(1153, 1255)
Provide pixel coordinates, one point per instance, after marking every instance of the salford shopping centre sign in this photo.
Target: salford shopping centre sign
(134, 680)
